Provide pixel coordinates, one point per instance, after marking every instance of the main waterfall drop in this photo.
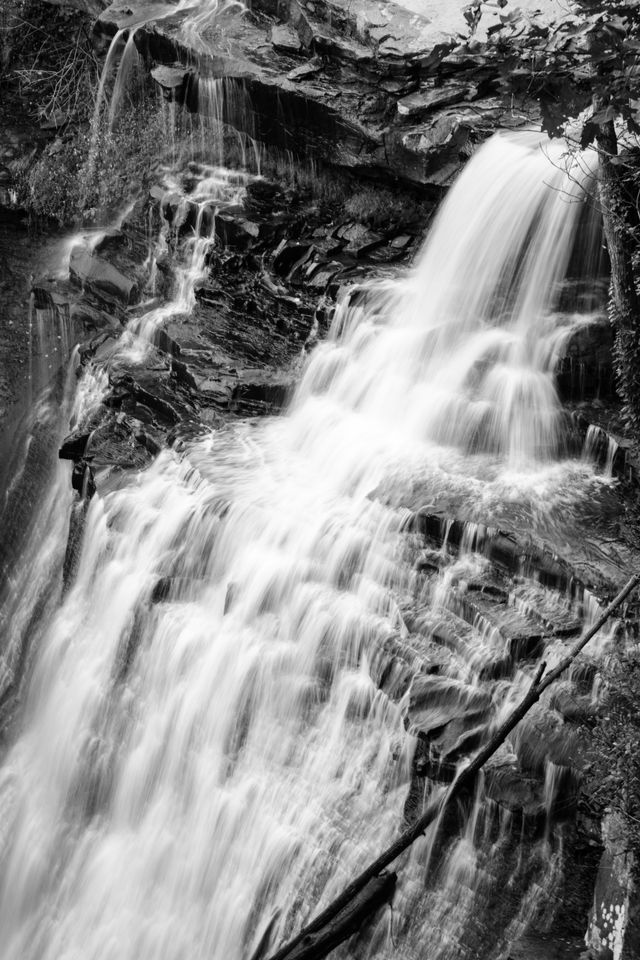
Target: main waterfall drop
(225, 715)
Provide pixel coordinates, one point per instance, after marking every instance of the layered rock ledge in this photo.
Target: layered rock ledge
(368, 87)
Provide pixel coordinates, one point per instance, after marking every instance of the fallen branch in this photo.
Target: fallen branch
(311, 943)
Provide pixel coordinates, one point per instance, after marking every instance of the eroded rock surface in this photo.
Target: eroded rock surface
(369, 87)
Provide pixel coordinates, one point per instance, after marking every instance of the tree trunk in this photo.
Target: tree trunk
(624, 306)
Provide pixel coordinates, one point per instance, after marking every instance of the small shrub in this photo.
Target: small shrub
(616, 746)
(382, 208)
(76, 180)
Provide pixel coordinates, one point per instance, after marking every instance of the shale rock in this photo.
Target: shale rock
(101, 278)
(354, 85)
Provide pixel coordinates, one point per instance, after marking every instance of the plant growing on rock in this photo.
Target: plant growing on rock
(381, 208)
(615, 739)
(80, 179)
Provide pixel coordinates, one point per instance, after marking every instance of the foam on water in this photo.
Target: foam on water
(191, 772)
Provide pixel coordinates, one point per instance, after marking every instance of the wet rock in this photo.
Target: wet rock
(115, 444)
(504, 549)
(250, 398)
(74, 542)
(418, 104)
(437, 701)
(83, 480)
(289, 255)
(89, 349)
(585, 369)
(101, 277)
(172, 589)
(326, 275)
(236, 231)
(172, 81)
(510, 788)
(542, 738)
(573, 706)
(286, 40)
(306, 70)
(340, 106)
(148, 389)
(74, 446)
(359, 239)
(92, 317)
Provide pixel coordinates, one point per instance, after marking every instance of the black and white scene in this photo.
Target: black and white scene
(319, 479)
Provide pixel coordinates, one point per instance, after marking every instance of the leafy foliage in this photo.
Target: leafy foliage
(585, 66)
(584, 58)
(616, 746)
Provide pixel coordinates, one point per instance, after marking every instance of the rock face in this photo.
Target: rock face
(369, 87)
(614, 924)
(100, 276)
(276, 260)
(364, 88)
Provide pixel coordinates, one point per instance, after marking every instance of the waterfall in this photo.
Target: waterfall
(216, 733)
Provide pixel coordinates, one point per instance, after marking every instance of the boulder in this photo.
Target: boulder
(285, 39)
(100, 277)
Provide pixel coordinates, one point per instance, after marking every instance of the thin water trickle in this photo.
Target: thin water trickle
(193, 214)
(194, 17)
(195, 769)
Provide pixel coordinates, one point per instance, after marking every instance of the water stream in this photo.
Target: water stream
(198, 763)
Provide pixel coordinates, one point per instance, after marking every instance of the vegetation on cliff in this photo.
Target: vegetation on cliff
(583, 71)
(51, 74)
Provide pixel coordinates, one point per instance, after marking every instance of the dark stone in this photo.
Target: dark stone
(171, 589)
(574, 706)
(585, 370)
(74, 446)
(504, 549)
(285, 39)
(100, 277)
(340, 107)
(236, 231)
(437, 701)
(511, 789)
(74, 542)
(418, 104)
(360, 239)
(289, 255)
(251, 398)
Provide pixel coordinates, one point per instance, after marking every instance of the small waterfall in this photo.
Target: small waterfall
(191, 204)
(30, 587)
(600, 448)
(217, 729)
(468, 359)
(122, 60)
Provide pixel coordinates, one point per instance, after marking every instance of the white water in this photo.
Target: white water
(216, 189)
(188, 771)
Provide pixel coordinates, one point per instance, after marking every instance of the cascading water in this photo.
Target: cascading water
(201, 763)
(212, 189)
